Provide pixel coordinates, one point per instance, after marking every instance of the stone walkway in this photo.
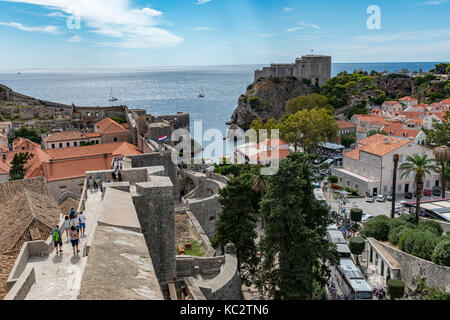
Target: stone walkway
(58, 277)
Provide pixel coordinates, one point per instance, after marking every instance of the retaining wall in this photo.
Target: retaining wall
(412, 268)
(22, 286)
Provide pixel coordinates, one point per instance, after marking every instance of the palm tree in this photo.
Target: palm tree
(394, 184)
(420, 166)
(260, 184)
(442, 155)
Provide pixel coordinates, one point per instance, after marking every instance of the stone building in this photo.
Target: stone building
(315, 68)
(369, 167)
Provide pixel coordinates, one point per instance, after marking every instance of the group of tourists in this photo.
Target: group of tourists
(95, 183)
(74, 226)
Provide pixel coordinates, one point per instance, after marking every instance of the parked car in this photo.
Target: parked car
(398, 209)
(381, 198)
(389, 197)
(427, 192)
(408, 195)
(369, 199)
(366, 217)
(436, 191)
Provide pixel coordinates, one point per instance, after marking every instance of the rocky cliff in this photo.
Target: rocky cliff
(266, 99)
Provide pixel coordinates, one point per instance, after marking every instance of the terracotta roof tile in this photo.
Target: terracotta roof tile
(407, 99)
(116, 148)
(381, 145)
(446, 101)
(20, 211)
(65, 136)
(108, 125)
(342, 124)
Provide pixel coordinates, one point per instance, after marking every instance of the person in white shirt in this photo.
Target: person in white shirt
(82, 219)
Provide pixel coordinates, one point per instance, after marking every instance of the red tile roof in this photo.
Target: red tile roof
(107, 126)
(65, 136)
(381, 145)
(342, 124)
(407, 99)
(93, 134)
(271, 155)
(446, 101)
(67, 163)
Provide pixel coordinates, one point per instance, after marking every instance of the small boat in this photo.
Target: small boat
(112, 99)
(201, 95)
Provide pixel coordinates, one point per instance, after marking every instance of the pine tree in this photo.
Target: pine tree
(294, 248)
(17, 171)
(237, 224)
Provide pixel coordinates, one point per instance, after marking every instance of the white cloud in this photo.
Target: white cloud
(117, 19)
(288, 9)
(46, 29)
(203, 29)
(203, 1)
(433, 3)
(310, 25)
(75, 38)
(293, 29)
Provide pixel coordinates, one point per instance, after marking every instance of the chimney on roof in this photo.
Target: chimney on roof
(4, 156)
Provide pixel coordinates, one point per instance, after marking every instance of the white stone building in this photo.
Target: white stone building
(369, 168)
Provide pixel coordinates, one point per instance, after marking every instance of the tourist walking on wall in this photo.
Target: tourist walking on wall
(56, 235)
(99, 184)
(74, 238)
(82, 219)
(72, 213)
(95, 184)
(90, 182)
(67, 226)
(75, 222)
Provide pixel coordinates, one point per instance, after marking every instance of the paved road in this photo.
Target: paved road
(58, 277)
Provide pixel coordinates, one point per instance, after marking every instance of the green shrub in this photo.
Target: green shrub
(254, 102)
(431, 226)
(441, 254)
(395, 288)
(357, 245)
(397, 232)
(119, 120)
(377, 228)
(250, 87)
(356, 214)
(419, 243)
(333, 179)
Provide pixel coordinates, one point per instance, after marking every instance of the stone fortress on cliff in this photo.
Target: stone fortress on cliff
(316, 68)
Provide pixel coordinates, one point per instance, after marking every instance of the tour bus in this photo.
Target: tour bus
(335, 236)
(351, 281)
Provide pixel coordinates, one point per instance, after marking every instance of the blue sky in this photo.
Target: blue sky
(132, 33)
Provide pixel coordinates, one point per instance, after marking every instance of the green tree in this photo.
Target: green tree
(333, 179)
(356, 214)
(308, 102)
(260, 184)
(377, 228)
(374, 132)
(237, 224)
(442, 156)
(441, 254)
(440, 134)
(294, 248)
(420, 166)
(30, 134)
(17, 171)
(119, 120)
(357, 245)
(395, 289)
(347, 140)
(431, 293)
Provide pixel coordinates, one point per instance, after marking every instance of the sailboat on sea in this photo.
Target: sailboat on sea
(112, 98)
(201, 95)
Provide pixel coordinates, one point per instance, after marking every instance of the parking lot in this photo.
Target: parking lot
(374, 209)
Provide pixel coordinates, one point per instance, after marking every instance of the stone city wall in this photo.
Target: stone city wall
(23, 285)
(412, 268)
